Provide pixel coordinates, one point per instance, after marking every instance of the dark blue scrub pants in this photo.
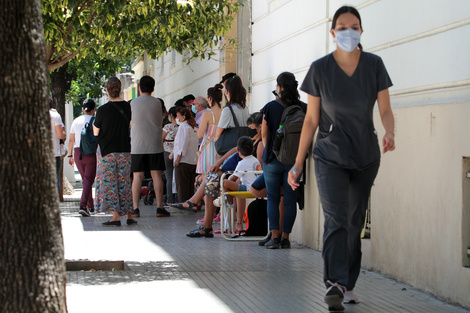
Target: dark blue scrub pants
(344, 195)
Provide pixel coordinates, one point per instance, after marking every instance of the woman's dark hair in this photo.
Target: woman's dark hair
(172, 111)
(187, 116)
(113, 86)
(163, 105)
(215, 93)
(179, 103)
(236, 90)
(289, 92)
(255, 118)
(346, 9)
(89, 105)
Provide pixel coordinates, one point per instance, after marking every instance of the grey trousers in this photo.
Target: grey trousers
(344, 195)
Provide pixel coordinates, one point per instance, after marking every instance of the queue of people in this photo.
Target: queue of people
(346, 152)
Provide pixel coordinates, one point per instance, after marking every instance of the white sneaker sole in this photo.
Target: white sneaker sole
(83, 213)
(334, 299)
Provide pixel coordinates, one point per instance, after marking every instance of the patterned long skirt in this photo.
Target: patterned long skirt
(113, 183)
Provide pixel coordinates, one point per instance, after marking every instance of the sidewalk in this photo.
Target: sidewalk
(169, 272)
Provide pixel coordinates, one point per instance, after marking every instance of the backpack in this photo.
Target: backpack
(88, 141)
(256, 218)
(287, 138)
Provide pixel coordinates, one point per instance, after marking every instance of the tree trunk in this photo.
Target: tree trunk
(32, 270)
(61, 81)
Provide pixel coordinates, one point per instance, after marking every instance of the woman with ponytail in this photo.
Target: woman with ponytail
(275, 172)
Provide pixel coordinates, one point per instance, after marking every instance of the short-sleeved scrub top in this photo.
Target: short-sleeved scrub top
(346, 133)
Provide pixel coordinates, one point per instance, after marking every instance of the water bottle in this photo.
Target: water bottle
(278, 138)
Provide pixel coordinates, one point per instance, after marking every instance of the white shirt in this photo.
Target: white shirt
(77, 126)
(186, 144)
(249, 163)
(55, 121)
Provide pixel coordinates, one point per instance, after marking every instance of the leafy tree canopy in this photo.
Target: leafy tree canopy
(126, 28)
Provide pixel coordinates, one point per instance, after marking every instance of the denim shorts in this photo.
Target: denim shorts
(259, 183)
(242, 187)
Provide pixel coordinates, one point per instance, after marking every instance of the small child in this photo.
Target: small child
(242, 181)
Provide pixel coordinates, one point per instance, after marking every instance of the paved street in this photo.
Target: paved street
(165, 271)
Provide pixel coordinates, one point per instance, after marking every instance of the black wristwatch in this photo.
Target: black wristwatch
(70, 156)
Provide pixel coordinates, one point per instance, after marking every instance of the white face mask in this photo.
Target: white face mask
(348, 39)
(178, 121)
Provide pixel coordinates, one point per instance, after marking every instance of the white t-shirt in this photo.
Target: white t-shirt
(226, 118)
(55, 121)
(77, 126)
(249, 163)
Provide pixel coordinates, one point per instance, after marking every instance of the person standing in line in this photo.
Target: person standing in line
(147, 144)
(86, 163)
(58, 134)
(275, 172)
(342, 89)
(198, 107)
(113, 156)
(184, 154)
(168, 135)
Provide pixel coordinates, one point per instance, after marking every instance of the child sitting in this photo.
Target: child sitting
(242, 181)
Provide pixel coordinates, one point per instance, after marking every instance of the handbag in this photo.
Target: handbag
(229, 137)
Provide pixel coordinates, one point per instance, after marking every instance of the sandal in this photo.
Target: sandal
(197, 233)
(182, 207)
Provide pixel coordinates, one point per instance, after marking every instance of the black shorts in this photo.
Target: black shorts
(147, 162)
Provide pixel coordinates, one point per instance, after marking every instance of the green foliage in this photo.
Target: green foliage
(91, 75)
(127, 28)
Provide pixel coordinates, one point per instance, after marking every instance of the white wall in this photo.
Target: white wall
(418, 234)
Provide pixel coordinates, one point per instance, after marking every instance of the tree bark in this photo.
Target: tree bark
(32, 270)
(61, 81)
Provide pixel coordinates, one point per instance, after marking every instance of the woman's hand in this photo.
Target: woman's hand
(294, 175)
(388, 142)
(170, 157)
(71, 161)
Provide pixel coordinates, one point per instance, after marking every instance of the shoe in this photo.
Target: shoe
(200, 221)
(111, 223)
(264, 241)
(285, 243)
(350, 297)
(334, 297)
(92, 210)
(161, 212)
(135, 212)
(131, 221)
(189, 208)
(216, 219)
(196, 233)
(84, 211)
(273, 243)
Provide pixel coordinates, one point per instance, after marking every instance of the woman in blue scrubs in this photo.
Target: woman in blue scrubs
(342, 89)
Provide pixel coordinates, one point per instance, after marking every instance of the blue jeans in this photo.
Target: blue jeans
(275, 176)
(58, 166)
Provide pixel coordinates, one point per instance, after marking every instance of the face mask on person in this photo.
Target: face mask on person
(178, 121)
(193, 108)
(348, 39)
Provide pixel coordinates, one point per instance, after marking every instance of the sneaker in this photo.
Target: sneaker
(334, 297)
(273, 243)
(111, 223)
(131, 221)
(264, 241)
(200, 221)
(350, 297)
(216, 219)
(161, 212)
(84, 211)
(135, 213)
(92, 210)
(285, 243)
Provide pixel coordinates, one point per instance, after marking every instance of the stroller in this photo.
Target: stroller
(147, 192)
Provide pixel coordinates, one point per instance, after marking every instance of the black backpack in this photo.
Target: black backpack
(88, 141)
(257, 214)
(287, 138)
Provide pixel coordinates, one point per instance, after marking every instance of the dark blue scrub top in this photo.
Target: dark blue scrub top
(346, 133)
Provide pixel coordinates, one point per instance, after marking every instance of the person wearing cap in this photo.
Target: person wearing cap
(227, 76)
(86, 164)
